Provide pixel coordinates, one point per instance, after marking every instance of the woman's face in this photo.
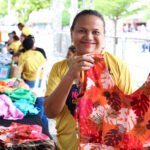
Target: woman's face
(11, 39)
(22, 38)
(88, 34)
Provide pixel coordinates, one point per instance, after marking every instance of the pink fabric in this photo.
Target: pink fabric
(8, 110)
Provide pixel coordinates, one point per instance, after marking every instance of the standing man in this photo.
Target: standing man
(24, 29)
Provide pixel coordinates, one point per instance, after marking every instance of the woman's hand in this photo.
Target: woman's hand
(54, 103)
(79, 63)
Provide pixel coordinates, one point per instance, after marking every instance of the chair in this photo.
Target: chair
(40, 84)
(40, 91)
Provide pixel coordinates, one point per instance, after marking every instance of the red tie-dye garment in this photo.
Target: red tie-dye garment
(107, 118)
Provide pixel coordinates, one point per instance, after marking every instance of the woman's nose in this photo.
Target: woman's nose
(89, 35)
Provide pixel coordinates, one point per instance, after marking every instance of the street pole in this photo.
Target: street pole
(73, 10)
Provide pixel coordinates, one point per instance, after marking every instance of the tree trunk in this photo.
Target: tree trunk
(57, 15)
(56, 19)
(115, 36)
(73, 10)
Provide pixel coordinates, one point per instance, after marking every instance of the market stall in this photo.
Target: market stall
(20, 123)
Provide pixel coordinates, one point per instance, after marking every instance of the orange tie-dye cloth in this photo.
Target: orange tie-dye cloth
(107, 118)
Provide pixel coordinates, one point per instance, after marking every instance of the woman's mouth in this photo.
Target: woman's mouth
(88, 44)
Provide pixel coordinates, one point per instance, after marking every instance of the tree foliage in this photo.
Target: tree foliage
(65, 18)
(114, 9)
(3, 8)
(147, 13)
(65, 13)
(23, 8)
(118, 8)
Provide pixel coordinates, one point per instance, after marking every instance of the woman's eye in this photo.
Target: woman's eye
(81, 31)
(96, 32)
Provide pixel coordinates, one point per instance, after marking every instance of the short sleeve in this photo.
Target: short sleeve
(126, 82)
(57, 73)
(120, 73)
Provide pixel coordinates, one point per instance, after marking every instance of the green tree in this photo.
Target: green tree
(65, 18)
(65, 13)
(147, 13)
(117, 9)
(23, 8)
(3, 8)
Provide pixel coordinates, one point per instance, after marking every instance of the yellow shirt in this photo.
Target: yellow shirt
(30, 62)
(26, 31)
(65, 123)
(14, 46)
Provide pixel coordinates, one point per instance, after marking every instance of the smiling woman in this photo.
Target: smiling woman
(88, 33)
(63, 90)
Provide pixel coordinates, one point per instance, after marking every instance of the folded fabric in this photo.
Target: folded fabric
(32, 145)
(8, 110)
(21, 93)
(109, 119)
(2, 85)
(26, 107)
(17, 83)
(5, 58)
(18, 133)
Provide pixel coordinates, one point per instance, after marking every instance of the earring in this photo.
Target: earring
(72, 43)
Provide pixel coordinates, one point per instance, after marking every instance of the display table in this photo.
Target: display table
(9, 97)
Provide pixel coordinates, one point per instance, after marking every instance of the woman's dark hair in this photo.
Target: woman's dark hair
(13, 32)
(72, 48)
(71, 51)
(20, 24)
(31, 36)
(28, 43)
(87, 12)
(15, 37)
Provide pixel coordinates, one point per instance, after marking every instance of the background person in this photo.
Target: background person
(21, 49)
(13, 44)
(41, 50)
(24, 29)
(29, 61)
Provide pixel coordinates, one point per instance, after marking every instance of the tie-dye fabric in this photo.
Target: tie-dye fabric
(18, 133)
(108, 119)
